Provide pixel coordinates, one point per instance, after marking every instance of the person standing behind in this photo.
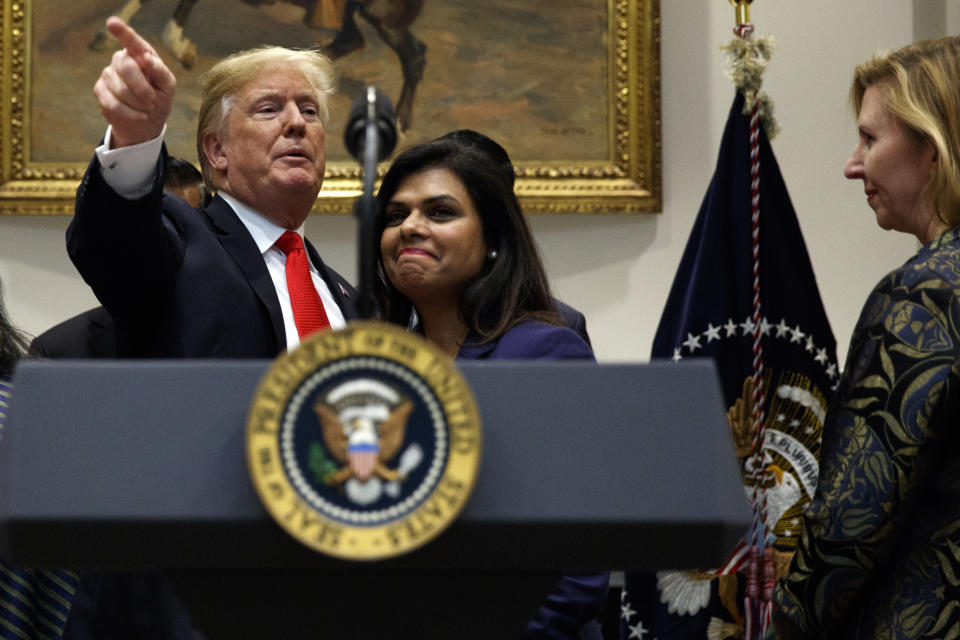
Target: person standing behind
(497, 155)
(183, 180)
(13, 344)
(33, 603)
(878, 553)
(219, 284)
(456, 250)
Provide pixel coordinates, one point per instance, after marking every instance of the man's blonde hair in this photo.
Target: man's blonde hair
(225, 78)
(922, 82)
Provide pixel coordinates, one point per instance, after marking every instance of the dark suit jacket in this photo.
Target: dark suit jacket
(574, 319)
(573, 609)
(178, 281)
(87, 335)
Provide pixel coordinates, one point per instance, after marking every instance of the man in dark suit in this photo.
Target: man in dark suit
(179, 284)
(85, 335)
(214, 282)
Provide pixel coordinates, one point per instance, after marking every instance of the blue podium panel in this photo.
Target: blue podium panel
(136, 465)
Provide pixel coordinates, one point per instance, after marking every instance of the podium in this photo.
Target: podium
(140, 466)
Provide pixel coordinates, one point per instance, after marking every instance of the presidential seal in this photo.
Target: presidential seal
(363, 443)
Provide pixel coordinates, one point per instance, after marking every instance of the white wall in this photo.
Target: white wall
(623, 267)
(618, 269)
(952, 22)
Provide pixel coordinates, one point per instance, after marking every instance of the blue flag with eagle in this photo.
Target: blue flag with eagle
(710, 314)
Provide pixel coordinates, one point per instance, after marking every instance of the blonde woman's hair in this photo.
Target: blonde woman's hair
(220, 84)
(923, 95)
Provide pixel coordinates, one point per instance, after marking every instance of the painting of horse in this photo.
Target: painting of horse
(571, 89)
(390, 19)
(516, 69)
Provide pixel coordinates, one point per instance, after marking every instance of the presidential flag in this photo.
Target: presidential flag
(711, 312)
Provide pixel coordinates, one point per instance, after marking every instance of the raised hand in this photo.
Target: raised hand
(135, 91)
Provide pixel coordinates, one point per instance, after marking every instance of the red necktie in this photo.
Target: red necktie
(308, 312)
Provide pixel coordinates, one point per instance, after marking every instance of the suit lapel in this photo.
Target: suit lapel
(338, 287)
(237, 242)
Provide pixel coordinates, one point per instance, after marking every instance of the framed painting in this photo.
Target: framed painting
(571, 89)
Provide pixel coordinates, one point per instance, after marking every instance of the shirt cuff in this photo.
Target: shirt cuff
(130, 171)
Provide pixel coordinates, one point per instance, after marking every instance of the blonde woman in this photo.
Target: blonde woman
(879, 555)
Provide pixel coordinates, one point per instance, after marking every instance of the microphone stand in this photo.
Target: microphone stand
(366, 210)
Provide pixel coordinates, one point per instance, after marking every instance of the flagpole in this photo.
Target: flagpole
(716, 284)
(742, 17)
(760, 574)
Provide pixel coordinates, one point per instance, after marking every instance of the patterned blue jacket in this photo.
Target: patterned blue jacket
(879, 555)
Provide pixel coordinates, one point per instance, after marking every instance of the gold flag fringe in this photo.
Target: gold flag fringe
(747, 59)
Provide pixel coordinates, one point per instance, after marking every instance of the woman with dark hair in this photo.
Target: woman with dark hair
(33, 604)
(503, 282)
(459, 264)
(13, 344)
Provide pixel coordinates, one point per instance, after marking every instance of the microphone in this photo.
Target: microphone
(370, 137)
(371, 107)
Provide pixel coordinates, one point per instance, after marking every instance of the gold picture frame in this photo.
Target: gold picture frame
(575, 97)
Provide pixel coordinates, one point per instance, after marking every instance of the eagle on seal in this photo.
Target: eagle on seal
(360, 444)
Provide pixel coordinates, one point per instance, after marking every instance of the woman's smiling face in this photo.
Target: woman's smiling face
(433, 244)
(894, 168)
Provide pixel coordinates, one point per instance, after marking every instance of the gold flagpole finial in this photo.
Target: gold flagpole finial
(742, 8)
(747, 59)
